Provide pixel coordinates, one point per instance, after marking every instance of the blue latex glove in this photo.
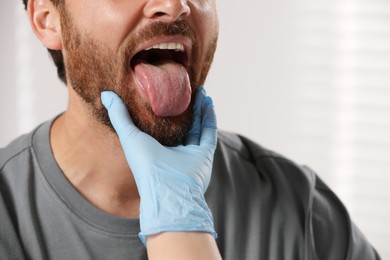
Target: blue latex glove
(171, 181)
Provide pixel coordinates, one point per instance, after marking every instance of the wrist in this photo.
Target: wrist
(175, 206)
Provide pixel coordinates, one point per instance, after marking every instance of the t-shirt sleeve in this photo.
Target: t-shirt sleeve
(10, 247)
(334, 235)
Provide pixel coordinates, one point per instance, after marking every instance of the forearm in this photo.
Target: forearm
(182, 245)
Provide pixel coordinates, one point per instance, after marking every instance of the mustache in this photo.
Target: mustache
(160, 29)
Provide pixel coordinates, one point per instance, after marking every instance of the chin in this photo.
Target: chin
(169, 131)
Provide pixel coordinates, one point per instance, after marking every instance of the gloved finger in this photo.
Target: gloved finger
(195, 131)
(209, 124)
(119, 115)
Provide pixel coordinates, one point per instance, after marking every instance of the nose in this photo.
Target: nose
(167, 11)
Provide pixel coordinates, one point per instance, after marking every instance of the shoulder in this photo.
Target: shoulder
(22, 148)
(17, 148)
(18, 159)
(286, 180)
(16, 166)
(268, 165)
(295, 191)
(256, 174)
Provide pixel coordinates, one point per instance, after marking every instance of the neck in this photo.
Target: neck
(91, 157)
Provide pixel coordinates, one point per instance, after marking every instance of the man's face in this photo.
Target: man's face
(134, 48)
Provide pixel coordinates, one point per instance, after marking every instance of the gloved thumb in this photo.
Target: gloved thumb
(209, 124)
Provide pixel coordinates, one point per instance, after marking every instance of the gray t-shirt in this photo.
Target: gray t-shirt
(264, 207)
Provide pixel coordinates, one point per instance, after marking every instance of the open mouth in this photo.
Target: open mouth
(162, 78)
(161, 53)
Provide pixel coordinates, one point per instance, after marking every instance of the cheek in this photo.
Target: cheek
(205, 19)
(108, 22)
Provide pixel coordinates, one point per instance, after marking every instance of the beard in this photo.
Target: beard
(91, 67)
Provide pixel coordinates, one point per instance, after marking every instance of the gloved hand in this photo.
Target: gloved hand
(171, 181)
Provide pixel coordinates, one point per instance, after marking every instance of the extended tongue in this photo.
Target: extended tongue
(166, 87)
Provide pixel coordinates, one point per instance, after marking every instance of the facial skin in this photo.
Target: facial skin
(98, 46)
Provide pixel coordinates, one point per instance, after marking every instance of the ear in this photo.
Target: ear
(45, 22)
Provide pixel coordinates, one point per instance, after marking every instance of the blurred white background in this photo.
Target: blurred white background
(307, 78)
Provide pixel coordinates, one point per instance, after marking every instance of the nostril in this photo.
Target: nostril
(159, 13)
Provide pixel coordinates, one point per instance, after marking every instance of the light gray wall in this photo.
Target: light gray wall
(30, 91)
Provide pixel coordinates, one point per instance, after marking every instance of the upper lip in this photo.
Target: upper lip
(178, 39)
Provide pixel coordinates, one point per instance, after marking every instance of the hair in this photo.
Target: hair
(56, 55)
